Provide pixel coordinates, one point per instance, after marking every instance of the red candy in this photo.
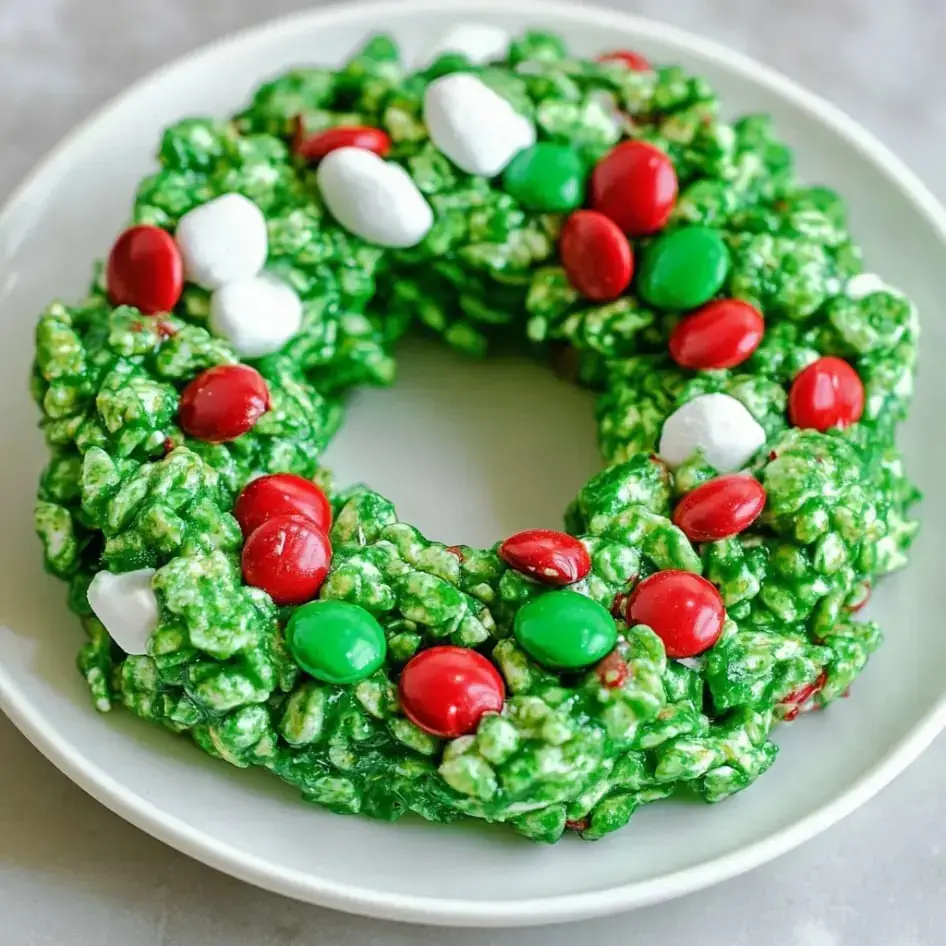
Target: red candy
(828, 393)
(795, 702)
(223, 403)
(684, 610)
(446, 690)
(596, 255)
(288, 557)
(613, 671)
(634, 61)
(720, 508)
(281, 494)
(635, 184)
(720, 334)
(317, 146)
(554, 558)
(864, 593)
(145, 270)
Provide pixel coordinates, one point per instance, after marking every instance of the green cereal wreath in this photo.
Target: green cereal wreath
(599, 215)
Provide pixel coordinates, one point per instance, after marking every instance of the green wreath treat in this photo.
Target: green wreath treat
(599, 215)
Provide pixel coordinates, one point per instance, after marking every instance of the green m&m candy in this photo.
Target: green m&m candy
(683, 269)
(565, 630)
(548, 177)
(336, 641)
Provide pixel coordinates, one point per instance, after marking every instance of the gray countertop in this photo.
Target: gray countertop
(73, 873)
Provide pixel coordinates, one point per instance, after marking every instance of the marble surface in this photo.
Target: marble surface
(73, 873)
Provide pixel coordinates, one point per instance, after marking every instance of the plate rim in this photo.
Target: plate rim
(322, 891)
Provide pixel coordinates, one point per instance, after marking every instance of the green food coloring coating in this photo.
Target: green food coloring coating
(547, 177)
(683, 269)
(564, 629)
(447, 63)
(125, 488)
(335, 641)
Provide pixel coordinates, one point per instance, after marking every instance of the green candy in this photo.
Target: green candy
(336, 641)
(547, 177)
(564, 629)
(683, 269)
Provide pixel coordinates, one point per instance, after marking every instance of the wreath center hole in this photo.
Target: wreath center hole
(469, 451)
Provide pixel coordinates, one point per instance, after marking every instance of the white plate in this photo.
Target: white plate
(526, 444)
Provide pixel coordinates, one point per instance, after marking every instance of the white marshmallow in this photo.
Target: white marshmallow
(127, 606)
(691, 663)
(222, 241)
(475, 127)
(479, 42)
(717, 424)
(866, 284)
(256, 315)
(375, 199)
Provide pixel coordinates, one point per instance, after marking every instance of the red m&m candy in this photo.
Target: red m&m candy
(635, 184)
(634, 61)
(684, 610)
(447, 690)
(795, 702)
(613, 671)
(145, 269)
(720, 334)
(288, 557)
(223, 403)
(554, 558)
(596, 255)
(281, 494)
(859, 598)
(720, 508)
(828, 393)
(317, 146)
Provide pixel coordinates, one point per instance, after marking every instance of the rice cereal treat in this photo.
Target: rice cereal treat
(596, 214)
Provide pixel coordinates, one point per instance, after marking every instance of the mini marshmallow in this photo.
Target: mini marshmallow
(866, 284)
(126, 604)
(692, 663)
(475, 127)
(256, 315)
(375, 199)
(478, 42)
(222, 241)
(719, 425)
